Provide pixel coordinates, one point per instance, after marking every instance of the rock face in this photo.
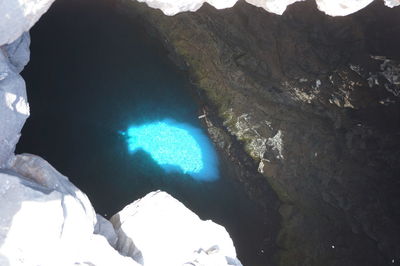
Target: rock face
(14, 108)
(17, 17)
(46, 220)
(159, 230)
(315, 102)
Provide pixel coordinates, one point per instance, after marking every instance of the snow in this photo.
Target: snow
(159, 230)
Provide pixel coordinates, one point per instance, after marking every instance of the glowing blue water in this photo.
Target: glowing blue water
(175, 147)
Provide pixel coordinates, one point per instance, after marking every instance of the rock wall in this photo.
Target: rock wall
(14, 108)
(315, 102)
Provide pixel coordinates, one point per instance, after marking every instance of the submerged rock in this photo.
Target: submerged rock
(159, 230)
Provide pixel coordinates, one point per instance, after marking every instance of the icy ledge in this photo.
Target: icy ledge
(46, 220)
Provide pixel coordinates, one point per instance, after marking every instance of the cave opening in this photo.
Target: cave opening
(93, 73)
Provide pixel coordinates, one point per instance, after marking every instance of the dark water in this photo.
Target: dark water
(94, 72)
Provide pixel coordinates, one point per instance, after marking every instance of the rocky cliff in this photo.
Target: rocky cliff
(314, 100)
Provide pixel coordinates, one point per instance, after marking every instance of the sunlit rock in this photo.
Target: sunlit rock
(330, 7)
(273, 6)
(17, 17)
(392, 3)
(341, 7)
(46, 220)
(159, 230)
(173, 7)
(14, 108)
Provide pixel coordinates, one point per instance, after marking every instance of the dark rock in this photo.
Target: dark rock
(314, 100)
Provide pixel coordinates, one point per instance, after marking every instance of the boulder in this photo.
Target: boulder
(46, 220)
(159, 230)
(17, 17)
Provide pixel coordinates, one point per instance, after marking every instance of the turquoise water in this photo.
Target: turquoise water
(176, 147)
(95, 74)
